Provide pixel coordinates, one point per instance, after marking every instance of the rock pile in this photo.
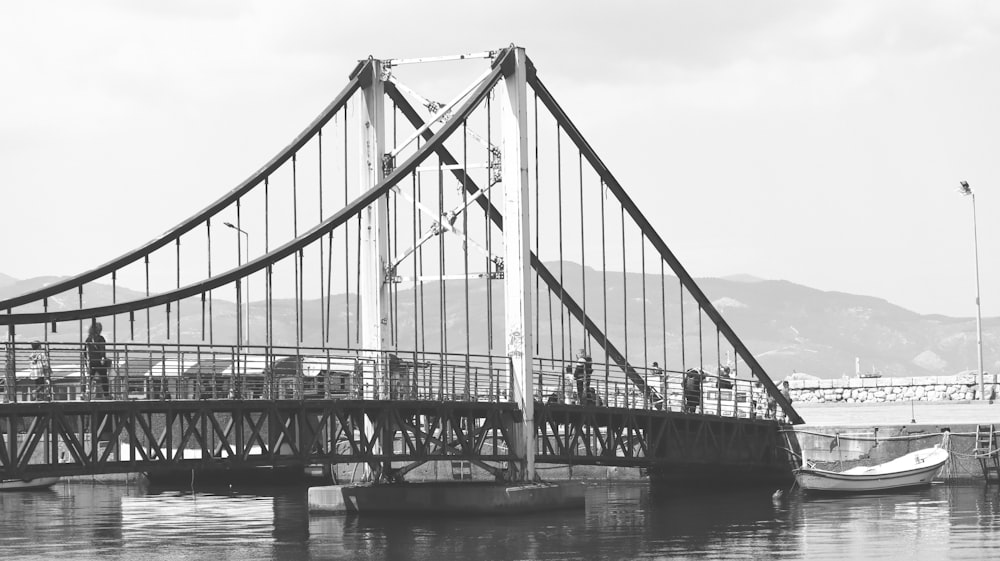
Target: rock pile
(881, 390)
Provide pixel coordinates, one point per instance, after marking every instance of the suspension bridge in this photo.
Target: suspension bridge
(414, 279)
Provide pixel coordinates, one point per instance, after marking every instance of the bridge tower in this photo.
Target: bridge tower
(373, 289)
(517, 265)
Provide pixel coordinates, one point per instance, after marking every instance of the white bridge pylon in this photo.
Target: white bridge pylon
(379, 268)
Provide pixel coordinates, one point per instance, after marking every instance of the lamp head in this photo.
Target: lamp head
(964, 188)
(230, 224)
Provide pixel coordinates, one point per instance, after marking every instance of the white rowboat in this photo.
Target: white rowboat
(912, 470)
(27, 484)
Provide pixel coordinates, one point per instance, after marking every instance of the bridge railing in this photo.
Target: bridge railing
(67, 372)
(695, 391)
(63, 371)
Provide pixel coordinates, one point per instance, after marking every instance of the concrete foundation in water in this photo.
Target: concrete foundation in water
(469, 497)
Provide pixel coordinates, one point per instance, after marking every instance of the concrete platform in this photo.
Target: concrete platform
(468, 497)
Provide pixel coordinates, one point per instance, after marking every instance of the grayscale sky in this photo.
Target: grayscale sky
(818, 142)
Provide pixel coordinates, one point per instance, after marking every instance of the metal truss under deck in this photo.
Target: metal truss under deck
(80, 438)
(625, 437)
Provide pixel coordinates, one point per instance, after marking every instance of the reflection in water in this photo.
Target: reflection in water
(86, 521)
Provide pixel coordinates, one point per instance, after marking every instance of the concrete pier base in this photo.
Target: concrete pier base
(446, 497)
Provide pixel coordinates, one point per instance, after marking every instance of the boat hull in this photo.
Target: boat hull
(916, 469)
(27, 484)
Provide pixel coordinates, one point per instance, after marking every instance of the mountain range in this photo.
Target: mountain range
(789, 327)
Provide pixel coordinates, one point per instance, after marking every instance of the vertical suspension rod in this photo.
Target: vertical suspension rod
(583, 245)
(489, 230)
(645, 340)
(347, 248)
(624, 286)
(562, 289)
(604, 282)
(322, 295)
(269, 329)
(538, 294)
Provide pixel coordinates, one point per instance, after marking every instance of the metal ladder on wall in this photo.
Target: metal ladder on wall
(987, 451)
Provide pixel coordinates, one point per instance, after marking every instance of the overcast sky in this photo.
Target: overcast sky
(817, 142)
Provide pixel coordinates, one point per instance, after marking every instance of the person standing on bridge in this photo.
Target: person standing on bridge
(581, 374)
(97, 361)
(659, 382)
(41, 371)
(786, 392)
(772, 407)
(692, 390)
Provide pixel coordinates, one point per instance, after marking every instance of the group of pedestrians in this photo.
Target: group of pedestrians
(95, 384)
(692, 388)
(694, 380)
(582, 371)
(761, 398)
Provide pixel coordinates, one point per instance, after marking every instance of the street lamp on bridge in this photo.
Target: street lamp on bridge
(966, 190)
(239, 263)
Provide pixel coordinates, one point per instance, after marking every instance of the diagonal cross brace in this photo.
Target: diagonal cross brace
(441, 224)
(543, 272)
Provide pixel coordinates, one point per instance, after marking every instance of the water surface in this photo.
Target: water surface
(625, 521)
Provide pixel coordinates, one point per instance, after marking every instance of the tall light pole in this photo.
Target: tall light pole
(239, 262)
(966, 190)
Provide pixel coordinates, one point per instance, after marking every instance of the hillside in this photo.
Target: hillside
(789, 327)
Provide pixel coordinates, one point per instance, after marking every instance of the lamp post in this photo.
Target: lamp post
(239, 262)
(966, 190)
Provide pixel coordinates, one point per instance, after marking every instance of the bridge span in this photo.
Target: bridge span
(200, 408)
(428, 281)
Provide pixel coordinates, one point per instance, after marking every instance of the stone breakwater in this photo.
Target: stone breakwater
(883, 390)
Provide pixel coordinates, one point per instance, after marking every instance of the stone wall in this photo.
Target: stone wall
(881, 390)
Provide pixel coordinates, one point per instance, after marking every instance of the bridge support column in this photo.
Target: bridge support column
(517, 266)
(373, 292)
